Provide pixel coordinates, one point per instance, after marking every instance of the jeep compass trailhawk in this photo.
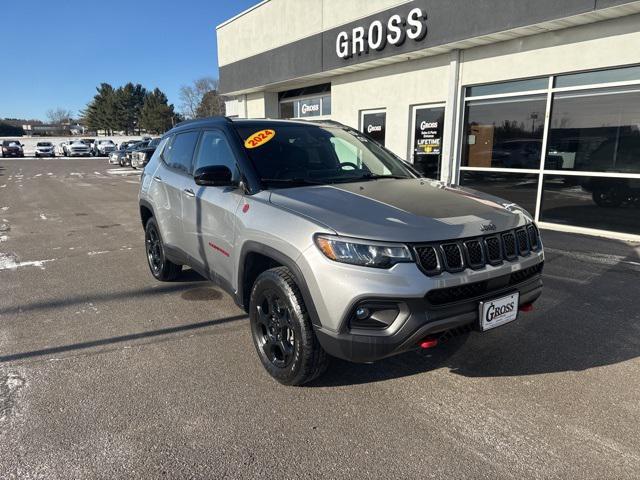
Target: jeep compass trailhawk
(332, 244)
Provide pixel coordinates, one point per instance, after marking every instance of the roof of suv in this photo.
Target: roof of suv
(227, 121)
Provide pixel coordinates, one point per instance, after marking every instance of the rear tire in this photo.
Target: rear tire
(161, 268)
(281, 329)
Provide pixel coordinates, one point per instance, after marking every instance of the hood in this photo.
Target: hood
(412, 210)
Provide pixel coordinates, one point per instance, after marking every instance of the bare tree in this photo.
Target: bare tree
(59, 115)
(191, 96)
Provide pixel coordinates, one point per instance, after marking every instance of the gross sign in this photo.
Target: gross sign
(378, 35)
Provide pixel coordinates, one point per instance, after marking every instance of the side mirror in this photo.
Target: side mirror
(214, 176)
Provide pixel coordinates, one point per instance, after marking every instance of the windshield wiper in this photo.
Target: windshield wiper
(373, 176)
(292, 181)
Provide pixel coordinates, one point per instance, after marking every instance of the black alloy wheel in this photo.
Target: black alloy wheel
(154, 251)
(275, 335)
(161, 268)
(282, 331)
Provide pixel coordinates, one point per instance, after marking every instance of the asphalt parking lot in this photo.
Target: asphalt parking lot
(105, 372)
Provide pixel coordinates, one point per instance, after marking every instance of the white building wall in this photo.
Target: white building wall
(599, 45)
(394, 87)
(278, 22)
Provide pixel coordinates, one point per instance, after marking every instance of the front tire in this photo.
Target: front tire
(281, 329)
(161, 268)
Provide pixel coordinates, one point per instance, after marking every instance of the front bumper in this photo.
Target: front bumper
(427, 304)
(420, 319)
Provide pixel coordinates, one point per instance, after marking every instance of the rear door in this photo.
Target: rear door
(168, 184)
(210, 212)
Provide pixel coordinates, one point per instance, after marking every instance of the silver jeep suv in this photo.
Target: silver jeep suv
(332, 244)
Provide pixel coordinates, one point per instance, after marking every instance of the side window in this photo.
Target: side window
(179, 151)
(215, 150)
(160, 150)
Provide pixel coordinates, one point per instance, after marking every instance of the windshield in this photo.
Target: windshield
(154, 142)
(298, 154)
(43, 144)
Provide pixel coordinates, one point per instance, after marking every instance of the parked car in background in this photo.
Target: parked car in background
(118, 156)
(126, 144)
(60, 148)
(126, 161)
(141, 156)
(102, 148)
(78, 148)
(89, 142)
(44, 149)
(12, 148)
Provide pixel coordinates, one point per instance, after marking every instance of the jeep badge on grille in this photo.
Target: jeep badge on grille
(489, 227)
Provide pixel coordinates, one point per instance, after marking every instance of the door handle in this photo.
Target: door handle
(157, 178)
(189, 193)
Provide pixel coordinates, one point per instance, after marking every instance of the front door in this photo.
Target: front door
(426, 147)
(209, 213)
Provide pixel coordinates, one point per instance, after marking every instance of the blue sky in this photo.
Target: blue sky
(56, 52)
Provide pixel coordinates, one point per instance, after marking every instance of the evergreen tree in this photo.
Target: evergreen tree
(129, 102)
(101, 113)
(157, 114)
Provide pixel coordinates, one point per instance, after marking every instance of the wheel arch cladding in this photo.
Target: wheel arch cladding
(265, 258)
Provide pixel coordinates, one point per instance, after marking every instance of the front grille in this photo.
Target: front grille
(428, 259)
(494, 250)
(476, 253)
(509, 244)
(533, 237)
(523, 242)
(525, 274)
(444, 296)
(452, 256)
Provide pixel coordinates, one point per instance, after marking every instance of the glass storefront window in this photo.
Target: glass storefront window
(306, 107)
(520, 188)
(508, 87)
(309, 107)
(326, 105)
(504, 133)
(286, 110)
(600, 76)
(595, 130)
(592, 202)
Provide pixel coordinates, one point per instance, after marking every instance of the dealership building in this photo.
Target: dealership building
(534, 101)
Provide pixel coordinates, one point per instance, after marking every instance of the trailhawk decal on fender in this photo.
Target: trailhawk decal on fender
(259, 138)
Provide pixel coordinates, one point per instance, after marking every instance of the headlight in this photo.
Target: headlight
(362, 252)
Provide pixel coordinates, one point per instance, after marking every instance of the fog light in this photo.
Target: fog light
(374, 315)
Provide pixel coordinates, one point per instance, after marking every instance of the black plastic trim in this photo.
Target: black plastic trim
(255, 247)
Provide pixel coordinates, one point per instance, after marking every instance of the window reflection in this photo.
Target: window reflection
(593, 202)
(520, 188)
(595, 131)
(505, 133)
